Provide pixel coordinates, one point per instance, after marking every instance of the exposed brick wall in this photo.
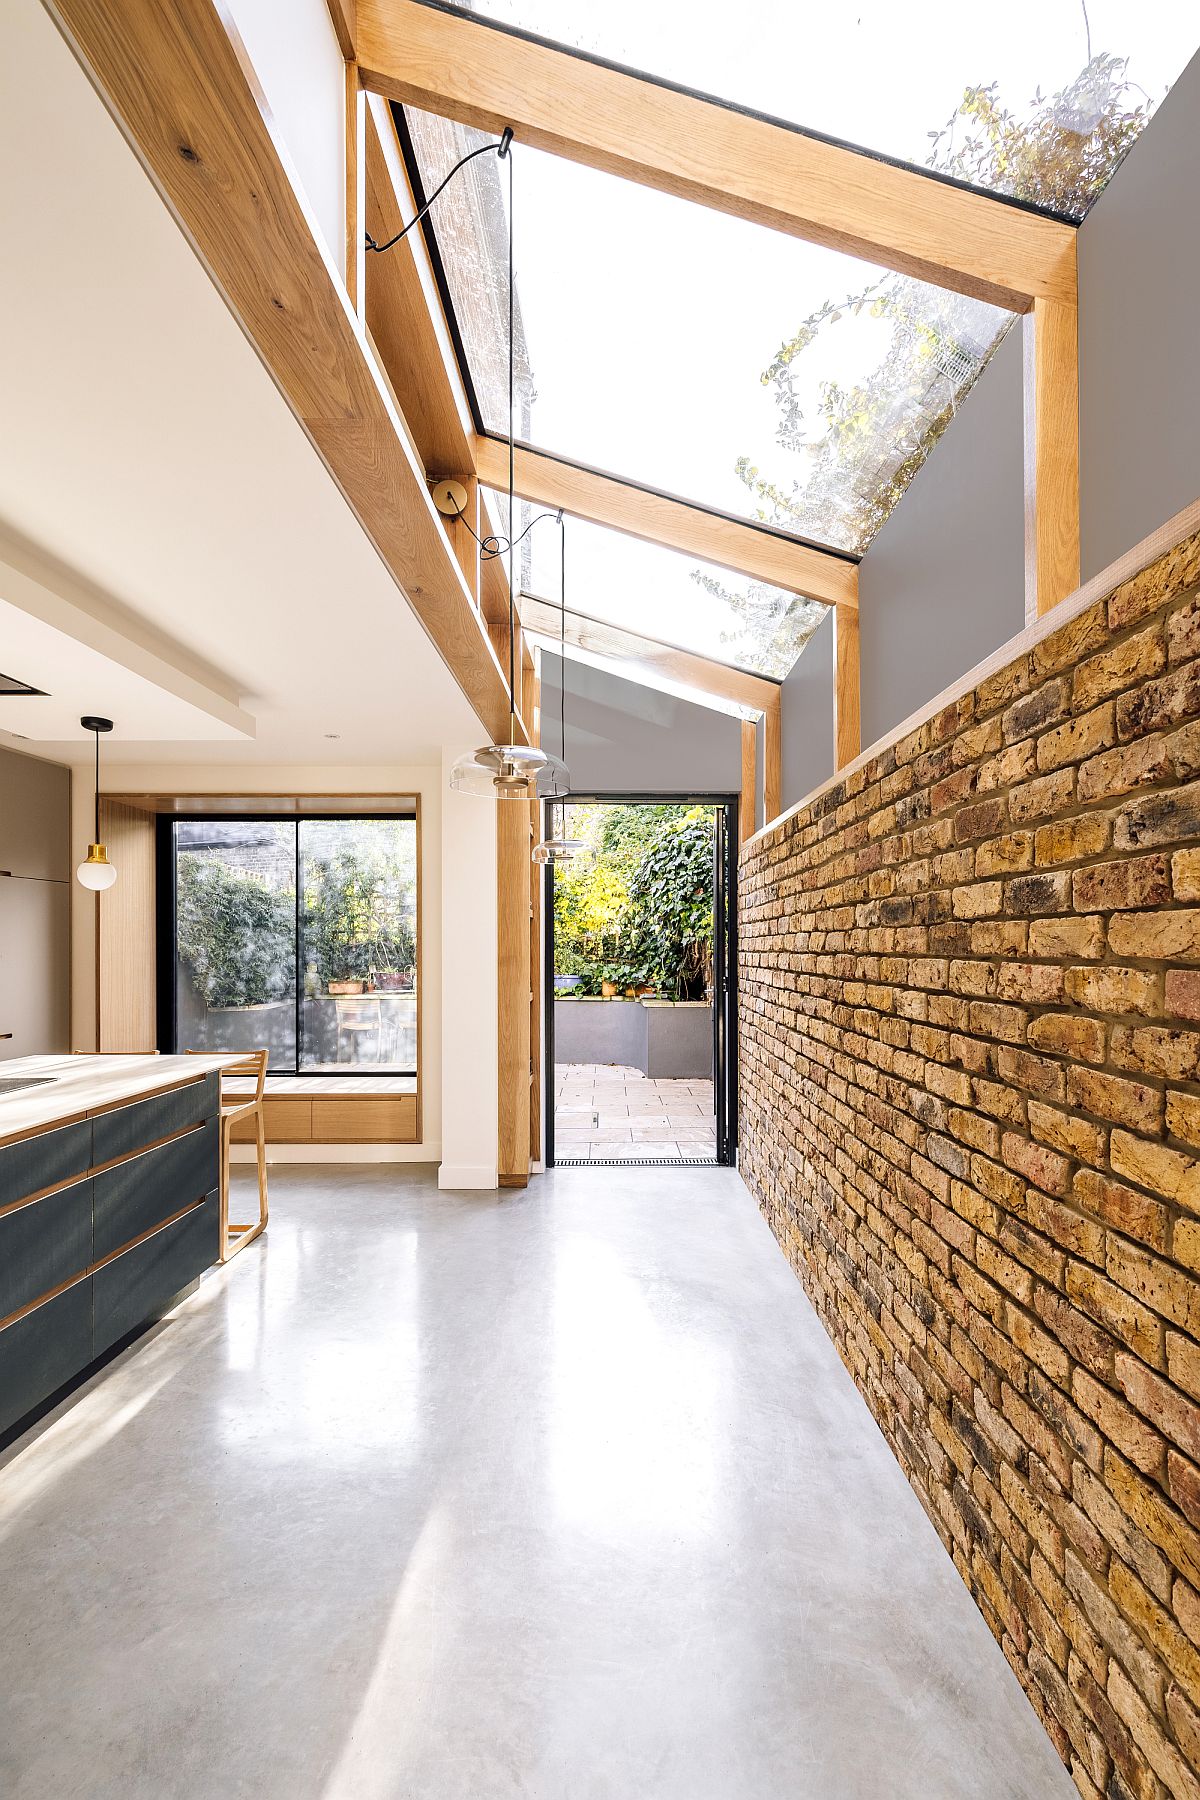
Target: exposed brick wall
(970, 1110)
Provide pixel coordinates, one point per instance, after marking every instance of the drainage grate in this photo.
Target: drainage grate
(636, 1162)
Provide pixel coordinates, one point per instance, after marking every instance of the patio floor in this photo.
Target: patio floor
(605, 1112)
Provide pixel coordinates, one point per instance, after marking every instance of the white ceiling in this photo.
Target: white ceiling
(145, 448)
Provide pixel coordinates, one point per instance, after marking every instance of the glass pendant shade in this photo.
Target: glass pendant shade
(95, 871)
(554, 779)
(499, 771)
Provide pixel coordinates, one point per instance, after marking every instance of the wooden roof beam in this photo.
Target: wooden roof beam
(750, 693)
(172, 78)
(736, 544)
(699, 149)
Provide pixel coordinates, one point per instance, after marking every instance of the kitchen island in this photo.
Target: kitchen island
(109, 1196)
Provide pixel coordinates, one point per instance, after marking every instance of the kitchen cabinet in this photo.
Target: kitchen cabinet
(35, 967)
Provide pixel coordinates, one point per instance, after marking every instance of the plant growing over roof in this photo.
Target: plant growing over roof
(865, 440)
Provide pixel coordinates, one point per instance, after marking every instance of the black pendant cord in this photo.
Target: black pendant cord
(501, 149)
(96, 839)
(562, 649)
(512, 451)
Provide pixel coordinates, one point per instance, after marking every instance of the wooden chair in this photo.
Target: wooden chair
(356, 1016)
(233, 1108)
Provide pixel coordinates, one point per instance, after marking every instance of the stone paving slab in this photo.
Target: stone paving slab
(605, 1112)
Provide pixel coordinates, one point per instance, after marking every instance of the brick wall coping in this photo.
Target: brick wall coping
(1183, 525)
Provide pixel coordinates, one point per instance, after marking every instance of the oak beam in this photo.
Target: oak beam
(737, 544)
(343, 13)
(773, 759)
(356, 206)
(611, 119)
(1051, 355)
(172, 79)
(847, 728)
(404, 311)
(741, 690)
(748, 796)
(514, 1075)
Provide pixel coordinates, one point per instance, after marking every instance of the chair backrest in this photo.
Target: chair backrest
(357, 1009)
(253, 1063)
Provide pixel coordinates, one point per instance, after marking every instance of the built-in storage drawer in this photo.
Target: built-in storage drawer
(139, 1286)
(42, 1351)
(129, 1128)
(44, 1244)
(134, 1196)
(365, 1119)
(40, 1162)
(285, 1121)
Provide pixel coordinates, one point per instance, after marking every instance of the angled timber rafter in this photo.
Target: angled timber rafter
(764, 555)
(700, 149)
(174, 82)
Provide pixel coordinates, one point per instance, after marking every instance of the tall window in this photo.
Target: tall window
(298, 936)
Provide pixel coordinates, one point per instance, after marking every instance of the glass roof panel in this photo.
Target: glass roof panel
(693, 352)
(1069, 85)
(662, 594)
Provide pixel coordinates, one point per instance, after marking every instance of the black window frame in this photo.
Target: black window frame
(165, 925)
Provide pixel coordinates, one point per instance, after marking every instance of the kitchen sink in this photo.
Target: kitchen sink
(12, 1084)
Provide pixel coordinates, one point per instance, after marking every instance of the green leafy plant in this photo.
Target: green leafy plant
(234, 934)
(635, 908)
(356, 917)
(671, 910)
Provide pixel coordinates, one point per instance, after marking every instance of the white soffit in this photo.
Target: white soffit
(147, 450)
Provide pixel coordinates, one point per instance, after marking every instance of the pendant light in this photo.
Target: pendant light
(509, 770)
(95, 871)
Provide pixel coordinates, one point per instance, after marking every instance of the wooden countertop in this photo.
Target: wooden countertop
(91, 1084)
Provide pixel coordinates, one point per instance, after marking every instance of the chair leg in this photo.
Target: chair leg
(226, 1132)
(260, 1133)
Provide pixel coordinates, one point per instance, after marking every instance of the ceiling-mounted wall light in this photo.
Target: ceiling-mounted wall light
(95, 871)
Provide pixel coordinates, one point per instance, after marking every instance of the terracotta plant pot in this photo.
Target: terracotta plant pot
(608, 989)
(646, 991)
(346, 987)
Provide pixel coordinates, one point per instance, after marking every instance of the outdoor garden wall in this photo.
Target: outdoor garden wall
(663, 1038)
(970, 1110)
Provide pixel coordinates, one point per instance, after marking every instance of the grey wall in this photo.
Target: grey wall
(624, 738)
(944, 582)
(806, 717)
(1139, 359)
(942, 585)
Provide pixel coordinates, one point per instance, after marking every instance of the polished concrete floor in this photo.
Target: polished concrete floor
(453, 1497)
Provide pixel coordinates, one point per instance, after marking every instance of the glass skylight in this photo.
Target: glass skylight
(890, 77)
(696, 353)
(664, 595)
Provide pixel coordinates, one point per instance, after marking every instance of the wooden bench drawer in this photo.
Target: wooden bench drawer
(287, 1121)
(365, 1119)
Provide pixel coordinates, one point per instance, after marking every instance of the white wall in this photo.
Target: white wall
(470, 1120)
(474, 898)
(295, 55)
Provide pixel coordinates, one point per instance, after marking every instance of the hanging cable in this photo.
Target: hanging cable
(501, 147)
(512, 450)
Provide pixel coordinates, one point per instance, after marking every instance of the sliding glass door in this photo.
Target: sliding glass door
(298, 936)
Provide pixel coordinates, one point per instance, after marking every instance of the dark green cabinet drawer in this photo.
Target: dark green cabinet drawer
(129, 1128)
(134, 1196)
(42, 1161)
(43, 1350)
(137, 1287)
(44, 1244)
